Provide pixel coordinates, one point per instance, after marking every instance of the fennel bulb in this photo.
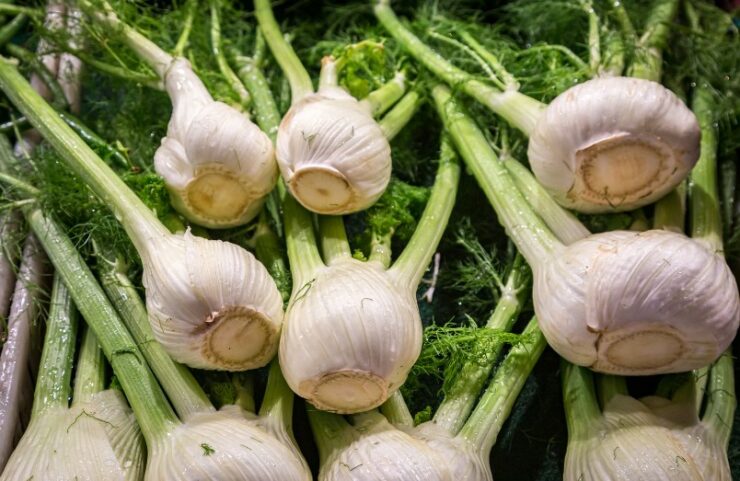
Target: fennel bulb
(217, 164)
(204, 296)
(609, 144)
(333, 155)
(352, 328)
(619, 302)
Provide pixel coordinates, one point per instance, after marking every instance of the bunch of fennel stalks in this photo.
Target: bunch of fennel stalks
(231, 313)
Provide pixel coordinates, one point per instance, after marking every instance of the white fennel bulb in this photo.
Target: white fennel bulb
(218, 166)
(629, 443)
(351, 335)
(221, 445)
(613, 143)
(381, 452)
(211, 304)
(332, 154)
(91, 441)
(630, 303)
(465, 460)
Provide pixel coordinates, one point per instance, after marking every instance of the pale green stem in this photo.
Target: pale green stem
(55, 371)
(706, 224)
(648, 62)
(58, 99)
(396, 410)
(594, 37)
(400, 115)
(334, 244)
(148, 51)
(562, 223)
(264, 107)
(140, 223)
(380, 249)
(90, 373)
(613, 54)
(582, 411)
(331, 432)
(414, 260)
(300, 240)
(19, 184)
(530, 234)
(671, 210)
(625, 24)
(381, 99)
(509, 81)
(153, 412)
(293, 69)
(244, 384)
(329, 74)
(722, 402)
(701, 379)
(609, 386)
(519, 110)
(495, 405)
(460, 398)
(278, 401)
(183, 391)
(119, 72)
(475, 55)
(270, 253)
(236, 85)
(187, 26)
(568, 53)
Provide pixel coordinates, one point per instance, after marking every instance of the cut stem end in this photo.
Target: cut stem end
(347, 391)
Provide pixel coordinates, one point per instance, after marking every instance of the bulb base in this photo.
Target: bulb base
(239, 338)
(323, 190)
(652, 350)
(346, 392)
(623, 169)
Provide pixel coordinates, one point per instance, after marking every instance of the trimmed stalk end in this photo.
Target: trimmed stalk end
(347, 391)
(323, 189)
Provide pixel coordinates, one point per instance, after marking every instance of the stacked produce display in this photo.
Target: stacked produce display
(449, 240)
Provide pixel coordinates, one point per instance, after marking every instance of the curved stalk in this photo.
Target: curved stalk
(153, 412)
(330, 431)
(518, 109)
(562, 223)
(293, 69)
(534, 240)
(11, 28)
(581, 407)
(383, 98)
(187, 26)
(183, 391)
(489, 416)
(459, 400)
(334, 244)
(721, 402)
(396, 410)
(55, 368)
(90, 370)
(414, 260)
(223, 65)
(265, 109)
(400, 114)
(649, 55)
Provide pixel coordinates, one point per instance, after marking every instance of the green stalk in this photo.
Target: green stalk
(648, 62)
(300, 240)
(474, 54)
(148, 51)
(594, 36)
(380, 249)
(16, 10)
(293, 69)
(277, 404)
(562, 223)
(460, 398)
(243, 382)
(414, 260)
(55, 371)
(58, 99)
(187, 26)
(496, 403)
(722, 402)
(396, 410)
(334, 244)
(397, 118)
(331, 432)
(269, 251)
(90, 371)
(613, 53)
(152, 82)
(530, 234)
(519, 110)
(236, 85)
(609, 386)
(508, 81)
(625, 24)
(140, 223)
(582, 411)
(154, 414)
(8, 31)
(706, 225)
(183, 391)
(381, 99)
(266, 111)
(671, 210)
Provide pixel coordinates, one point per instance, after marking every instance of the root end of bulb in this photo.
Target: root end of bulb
(322, 189)
(346, 392)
